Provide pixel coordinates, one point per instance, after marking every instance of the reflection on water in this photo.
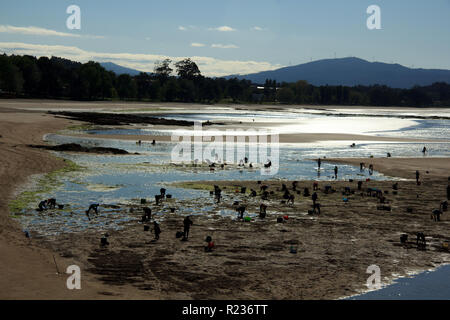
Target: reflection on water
(423, 129)
(123, 179)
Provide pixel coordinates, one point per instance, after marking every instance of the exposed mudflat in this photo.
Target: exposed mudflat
(252, 260)
(74, 147)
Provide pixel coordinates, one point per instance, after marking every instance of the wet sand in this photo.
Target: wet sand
(252, 260)
(283, 138)
(429, 167)
(27, 268)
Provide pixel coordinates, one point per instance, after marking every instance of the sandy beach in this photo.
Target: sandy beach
(252, 260)
(429, 168)
(27, 267)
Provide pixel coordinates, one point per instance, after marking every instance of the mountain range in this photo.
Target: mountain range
(351, 72)
(117, 69)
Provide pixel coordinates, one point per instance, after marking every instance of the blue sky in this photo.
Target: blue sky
(227, 37)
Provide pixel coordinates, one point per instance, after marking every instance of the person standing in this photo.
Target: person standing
(417, 177)
(156, 229)
(314, 198)
(319, 162)
(335, 172)
(187, 225)
(448, 192)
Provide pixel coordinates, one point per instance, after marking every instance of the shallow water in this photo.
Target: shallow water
(125, 179)
(382, 121)
(429, 285)
(121, 179)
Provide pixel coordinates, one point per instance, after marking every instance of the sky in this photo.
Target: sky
(229, 36)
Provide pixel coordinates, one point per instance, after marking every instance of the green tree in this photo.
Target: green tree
(162, 69)
(285, 95)
(187, 69)
(143, 82)
(11, 79)
(126, 87)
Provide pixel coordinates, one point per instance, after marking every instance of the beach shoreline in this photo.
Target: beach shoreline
(29, 270)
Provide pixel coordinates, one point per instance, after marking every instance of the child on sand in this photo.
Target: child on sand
(210, 246)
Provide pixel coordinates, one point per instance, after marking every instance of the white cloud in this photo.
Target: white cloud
(181, 28)
(196, 44)
(223, 29)
(256, 28)
(37, 31)
(209, 66)
(224, 46)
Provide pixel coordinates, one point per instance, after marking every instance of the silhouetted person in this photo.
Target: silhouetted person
(290, 199)
(319, 162)
(240, 211)
(94, 207)
(153, 142)
(187, 225)
(436, 215)
(314, 198)
(262, 210)
(104, 240)
(316, 208)
(424, 150)
(210, 245)
(51, 203)
(417, 176)
(335, 172)
(444, 206)
(306, 192)
(147, 214)
(42, 205)
(217, 193)
(156, 229)
(421, 241)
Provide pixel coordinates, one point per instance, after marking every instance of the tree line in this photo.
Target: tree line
(57, 78)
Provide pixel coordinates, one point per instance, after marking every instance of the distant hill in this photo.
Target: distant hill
(351, 72)
(117, 69)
